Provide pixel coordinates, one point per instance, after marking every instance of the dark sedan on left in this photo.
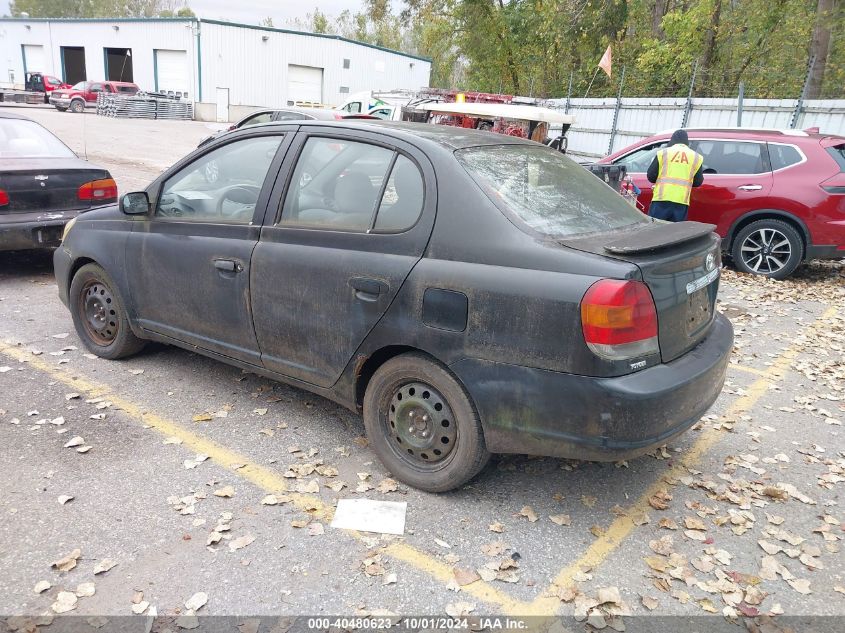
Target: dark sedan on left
(43, 185)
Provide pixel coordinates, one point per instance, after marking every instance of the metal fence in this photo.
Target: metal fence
(603, 126)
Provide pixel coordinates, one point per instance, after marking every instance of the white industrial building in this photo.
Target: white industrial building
(226, 69)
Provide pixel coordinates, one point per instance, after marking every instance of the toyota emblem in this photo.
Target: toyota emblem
(709, 261)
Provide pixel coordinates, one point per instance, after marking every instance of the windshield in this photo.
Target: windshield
(27, 139)
(548, 192)
(79, 86)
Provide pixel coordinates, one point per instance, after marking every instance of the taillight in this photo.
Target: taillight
(105, 189)
(619, 319)
(4, 198)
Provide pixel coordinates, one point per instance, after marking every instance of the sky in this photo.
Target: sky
(252, 12)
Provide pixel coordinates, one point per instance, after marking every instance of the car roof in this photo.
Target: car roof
(809, 133)
(445, 135)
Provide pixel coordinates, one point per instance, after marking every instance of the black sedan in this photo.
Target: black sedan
(43, 184)
(470, 293)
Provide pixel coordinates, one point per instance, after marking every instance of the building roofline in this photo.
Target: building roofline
(254, 27)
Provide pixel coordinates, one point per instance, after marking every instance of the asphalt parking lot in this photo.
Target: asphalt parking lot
(741, 516)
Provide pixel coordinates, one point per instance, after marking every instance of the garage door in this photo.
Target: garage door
(172, 71)
(305, 83)
(33, 58)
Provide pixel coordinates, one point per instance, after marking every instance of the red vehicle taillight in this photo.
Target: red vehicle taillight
(105, 189)
(619, 319)
(4, 198)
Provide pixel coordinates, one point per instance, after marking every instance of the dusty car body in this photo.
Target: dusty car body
(395, 269)
(43, 185)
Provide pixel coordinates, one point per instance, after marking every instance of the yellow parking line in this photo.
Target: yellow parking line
(264, 478)
(623, 526)
(749, 370)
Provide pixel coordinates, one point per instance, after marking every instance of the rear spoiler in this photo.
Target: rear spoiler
(658, 236)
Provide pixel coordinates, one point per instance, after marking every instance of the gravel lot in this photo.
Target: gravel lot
(741, 516)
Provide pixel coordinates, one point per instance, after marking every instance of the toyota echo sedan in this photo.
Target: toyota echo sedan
(470, 293)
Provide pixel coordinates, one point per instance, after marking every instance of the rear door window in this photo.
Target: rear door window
(336, 185)
(783, 156)
(731, 157)
(403, 197)
(837, 152)
(261, 117)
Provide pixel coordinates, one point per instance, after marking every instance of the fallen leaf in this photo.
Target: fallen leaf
(103, 566)
(649, 602)
(801, 586)
(74, 441)
(63, 499)
(41, 586)
(140, 607)
(196, 602)
(496, 527)
(389, 579)
(387, 485)
(560, 519)
(262, 411)
(316, 529)
(68, 562)
(496, 548)
(136, 372)
(202, 417)
(225, 491)
(240, 542)
(85, 590)
(660, 500)
(465, 576)
(668, 524)
(459, 609)
(588, 500)
(694, 523)
(528, 513)
(65, 601)
(84, 449)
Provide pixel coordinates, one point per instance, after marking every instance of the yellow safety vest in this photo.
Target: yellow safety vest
(677, 165)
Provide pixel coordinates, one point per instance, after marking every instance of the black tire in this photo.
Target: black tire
(99, 315)
(771, 248)
(421, 460)
(77, 106)
(60, 109)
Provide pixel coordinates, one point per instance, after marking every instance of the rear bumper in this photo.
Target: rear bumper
(33, 230)
(541, 412)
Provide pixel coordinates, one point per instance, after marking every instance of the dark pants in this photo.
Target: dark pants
(672, 211)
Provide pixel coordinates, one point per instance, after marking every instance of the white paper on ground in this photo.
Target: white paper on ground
(369, 515)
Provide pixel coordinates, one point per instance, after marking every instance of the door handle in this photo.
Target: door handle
(750, 187)
(368, 289)
(229, 265)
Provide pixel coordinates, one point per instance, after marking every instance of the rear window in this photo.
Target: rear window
(550, 193)
(838, 154)
(783, 156)
(27, 139)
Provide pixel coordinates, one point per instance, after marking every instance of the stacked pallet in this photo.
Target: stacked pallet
(143, 106)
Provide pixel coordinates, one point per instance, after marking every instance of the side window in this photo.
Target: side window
(402, 202)
(287, 115)
(638, 161)
(336, 185)
(96, 88)
(263, 117)
(783, 156)
(730, 157)
(381, 113)
(222, 186)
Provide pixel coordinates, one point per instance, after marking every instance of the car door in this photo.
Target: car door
(92, 91)
(343, 231)
(737, 179)
(192, 254)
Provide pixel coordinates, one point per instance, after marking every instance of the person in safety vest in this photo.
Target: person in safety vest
(675, 170)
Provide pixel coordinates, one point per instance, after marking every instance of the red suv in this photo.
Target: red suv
(777, 197)
(85, 93)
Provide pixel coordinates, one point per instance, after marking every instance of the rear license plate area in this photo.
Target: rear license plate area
(48, 235)
(700, 309)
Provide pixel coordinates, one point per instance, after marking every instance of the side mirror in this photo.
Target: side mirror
(135, 203)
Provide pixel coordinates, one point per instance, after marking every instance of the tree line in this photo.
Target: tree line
(551, 48)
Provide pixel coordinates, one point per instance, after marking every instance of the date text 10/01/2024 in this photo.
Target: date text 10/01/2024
(418, 623)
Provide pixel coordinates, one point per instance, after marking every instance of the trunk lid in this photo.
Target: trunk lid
(47, 185)
(680, 263)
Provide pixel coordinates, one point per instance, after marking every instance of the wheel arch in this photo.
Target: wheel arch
(78, 263)
(367, 366)
(769, 214)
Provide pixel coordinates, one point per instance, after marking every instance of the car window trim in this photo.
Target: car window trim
(382, 189)
(260, 209)
(795, 147)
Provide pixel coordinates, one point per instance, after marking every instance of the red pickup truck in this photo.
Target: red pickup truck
(85, 93)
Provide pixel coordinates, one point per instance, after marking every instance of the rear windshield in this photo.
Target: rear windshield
(550, 193)
(838, 153)
(27, 139)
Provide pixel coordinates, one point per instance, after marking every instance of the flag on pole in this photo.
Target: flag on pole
(606, 61)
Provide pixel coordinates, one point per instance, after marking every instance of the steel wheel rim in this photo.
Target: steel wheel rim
(766, 251)
(98, 314)
(420, 426)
